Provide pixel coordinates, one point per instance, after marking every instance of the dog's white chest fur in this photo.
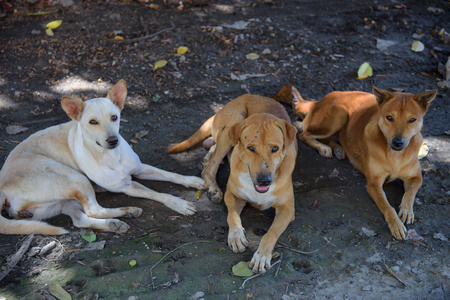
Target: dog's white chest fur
(248, 193)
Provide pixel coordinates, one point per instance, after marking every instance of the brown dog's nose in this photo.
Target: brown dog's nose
(112, 141)
(397, 143)
(264, 179)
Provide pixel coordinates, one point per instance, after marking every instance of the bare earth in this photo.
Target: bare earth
(317, 46)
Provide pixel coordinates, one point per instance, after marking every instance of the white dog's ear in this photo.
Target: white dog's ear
(73, 107)
(118, 94)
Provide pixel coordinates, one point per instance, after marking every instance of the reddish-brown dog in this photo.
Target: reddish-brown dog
(380, 135)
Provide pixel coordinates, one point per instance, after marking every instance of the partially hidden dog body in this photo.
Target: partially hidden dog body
(50, 173)
(264, 148)
(380, 135)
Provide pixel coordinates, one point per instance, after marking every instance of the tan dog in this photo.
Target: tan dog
(379, 133)
(49, 173)
(262, 161)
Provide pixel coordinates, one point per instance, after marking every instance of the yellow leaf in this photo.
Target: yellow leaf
(160, 64)
(118, 37)
(364, 71)
(153, 6)
(49, 32)
(423, 151)
(182, 50)
(54, 24)
(198, 194)
(252, 56)
(417, 46)
(242, 269)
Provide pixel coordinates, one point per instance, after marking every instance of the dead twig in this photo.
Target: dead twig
(297, 251)
(168, 253)
(254, 276)
(16, 257)
(145, 37)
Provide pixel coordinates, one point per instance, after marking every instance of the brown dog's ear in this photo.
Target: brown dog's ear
(73, 107)
(118, 94)
(381, 95)
(289, 131)
(234, 132)
(425, 98)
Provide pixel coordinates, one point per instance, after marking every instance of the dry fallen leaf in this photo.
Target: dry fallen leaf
(57, 291)
(15, 129)
(242, 269)
(417, 46)
(252, 56)
(54, 24)
(423, 151)
(364, 71)
(159, 64)
(49, 32)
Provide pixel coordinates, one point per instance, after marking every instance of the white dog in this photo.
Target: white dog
(49, 173)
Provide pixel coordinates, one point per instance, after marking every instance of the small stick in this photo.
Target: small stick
(16, 257)
(254, 276)
(297, 251)
(147, 36)
(168, 253)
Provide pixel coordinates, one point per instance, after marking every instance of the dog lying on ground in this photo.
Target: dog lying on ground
(264, 149)
(380, 135)
(49, 173)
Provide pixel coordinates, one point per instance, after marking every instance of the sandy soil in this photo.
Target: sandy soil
(315, 45)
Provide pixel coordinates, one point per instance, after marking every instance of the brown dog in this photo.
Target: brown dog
(379, 133)
(262, 161)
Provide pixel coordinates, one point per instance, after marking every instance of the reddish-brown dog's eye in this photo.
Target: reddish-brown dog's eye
(93, 122)
(275, 149)
(114, 118)
(412, 120)
(389, 118)
(251, 148)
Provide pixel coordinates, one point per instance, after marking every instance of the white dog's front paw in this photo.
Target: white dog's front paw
(260, 262)
(237, 240)
(185, 208)
(195, 182)
(118, 226)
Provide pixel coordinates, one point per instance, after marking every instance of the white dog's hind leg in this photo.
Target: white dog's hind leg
(135, 189)
(148, 172)
(81, 220)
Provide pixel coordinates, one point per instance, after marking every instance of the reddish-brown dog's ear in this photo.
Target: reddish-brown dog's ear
(289, 131)
(235, 132)
(118, 94)
(381, 95)
(425, 98)
(73, 107)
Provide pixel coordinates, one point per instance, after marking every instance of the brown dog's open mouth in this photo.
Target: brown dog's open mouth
(261, 188)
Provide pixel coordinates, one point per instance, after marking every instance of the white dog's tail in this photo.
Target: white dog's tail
(8, 226)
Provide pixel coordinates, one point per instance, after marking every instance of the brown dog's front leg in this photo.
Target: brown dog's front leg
(285, 214)
(236, 233)
(375, 190)
(411, 185)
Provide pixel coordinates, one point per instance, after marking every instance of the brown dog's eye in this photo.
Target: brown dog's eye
(251, 148)
(412, 120)
(93, 122)
(114, 118)
(389, 118)
(275, 149)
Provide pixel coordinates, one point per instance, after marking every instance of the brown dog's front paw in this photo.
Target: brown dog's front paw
(339, 152)
(215, 196)
(260, 263)
(237, 240)
(118, 226)
(325, 151)
(406, 215)
(398, 230)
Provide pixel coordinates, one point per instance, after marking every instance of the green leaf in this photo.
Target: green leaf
(242, 269)
(59, 293)
(88, 235)
(364, 71)
(159, 64)
(132, 262)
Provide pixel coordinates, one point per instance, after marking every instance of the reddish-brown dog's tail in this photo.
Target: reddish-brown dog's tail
(290, 95)
(11, 226)
(202, 133)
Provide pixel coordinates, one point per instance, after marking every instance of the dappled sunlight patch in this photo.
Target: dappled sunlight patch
(77, 84)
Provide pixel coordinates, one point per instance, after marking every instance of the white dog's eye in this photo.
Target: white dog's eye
(114, 118)
(93, 122)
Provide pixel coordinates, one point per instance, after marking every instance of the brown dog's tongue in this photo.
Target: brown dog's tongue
(261, 189)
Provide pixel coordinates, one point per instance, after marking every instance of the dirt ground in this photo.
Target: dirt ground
(317, 46)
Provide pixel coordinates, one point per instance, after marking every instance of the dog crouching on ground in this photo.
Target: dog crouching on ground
(263, 142)
(380, 135)
(49, 173)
